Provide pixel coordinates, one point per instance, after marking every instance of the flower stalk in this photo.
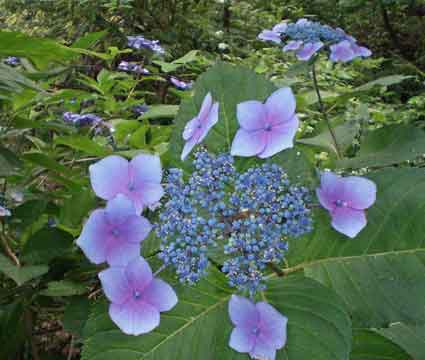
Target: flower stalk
(323, 111)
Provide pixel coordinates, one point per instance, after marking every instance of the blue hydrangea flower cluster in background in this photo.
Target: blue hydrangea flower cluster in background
(307, 37)
(132, 68)
(140, 42)
(248, 216)
(80, 120)
(12, 61)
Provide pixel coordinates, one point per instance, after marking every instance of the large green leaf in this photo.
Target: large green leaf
(40, 51)
(63, 288)
(9, 162)
(84, 144)
(160, 111)
(47, 244)
(198, 327)
(377, 289)
(229, 85)
(48, 162)
(387, 146)
(76, 314)
(410, 338)
(369, 345)
(13, 82)
(344, 133)
(395, 221)
(21, 274)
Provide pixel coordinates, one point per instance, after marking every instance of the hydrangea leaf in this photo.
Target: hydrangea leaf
(369, 345)
(47, 244)
(377, 289)
(84, 144)
(388, 146)
(410, 338)
(21, 274)
(199, 326)
(63, 288)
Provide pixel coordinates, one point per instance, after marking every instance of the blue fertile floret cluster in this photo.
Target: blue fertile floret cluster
(312, 32)
(248, 216)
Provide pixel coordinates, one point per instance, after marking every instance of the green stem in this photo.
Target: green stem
(323, 111)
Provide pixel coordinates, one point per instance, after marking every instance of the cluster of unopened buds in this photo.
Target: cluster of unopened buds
(306, 38)
(249, 215)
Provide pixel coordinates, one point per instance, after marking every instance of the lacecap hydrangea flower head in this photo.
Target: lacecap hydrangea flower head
(306, 38)
(249, 215)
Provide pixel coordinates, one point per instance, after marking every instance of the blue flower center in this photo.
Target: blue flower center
(256, 331)
(341, 203)
(136, 295)
(268, 127)
(131, 187)
(115, 232)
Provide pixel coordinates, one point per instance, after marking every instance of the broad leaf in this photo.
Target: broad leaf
(63, 288)
(198, 327)
(344, 133)
(377, 289)
(9, 162)
(40, 51)
(84, 144)
(76, 314)
(369, 345)
(21, 274)
(47, 244)
(410, 338)
(161, 111)
(387, 146)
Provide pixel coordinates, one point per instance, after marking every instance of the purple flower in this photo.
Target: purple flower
(181, 84)
(266, 129)
(136, 296)
(140, 42)
(280, 28)
(346, 198)
(139, 179)
(197, 129)
(4, 212)
(140, 110)
(12, 61)
(134, 68)
(114, 234)
(347, 50)
(81, 119)
(292, 45)
(309, 50)
(270, 35)
(259, 330)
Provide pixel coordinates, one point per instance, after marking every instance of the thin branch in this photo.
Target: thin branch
(323, 111)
